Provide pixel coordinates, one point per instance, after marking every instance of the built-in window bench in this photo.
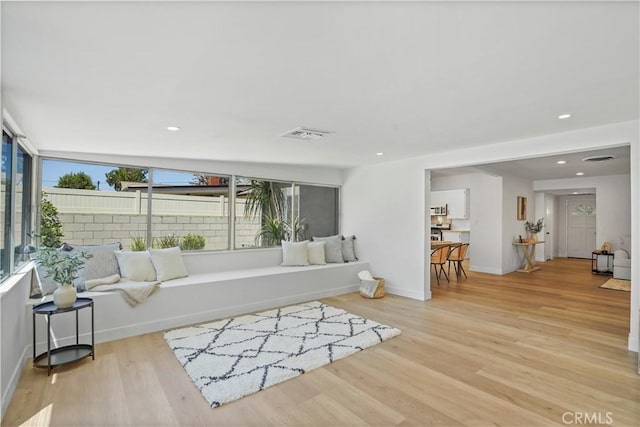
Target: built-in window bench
(218, 285)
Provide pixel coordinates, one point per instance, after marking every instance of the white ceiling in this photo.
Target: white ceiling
(543, 168)
(547, 167)
(406, 79)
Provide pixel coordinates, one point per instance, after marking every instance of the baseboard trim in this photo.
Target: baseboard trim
(13, 382)
(405, 293)
(633, 343)
(489, 270)
(106, 335)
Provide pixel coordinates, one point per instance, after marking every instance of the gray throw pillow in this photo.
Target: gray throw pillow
(348, 249)
(103, 263)
(332, 248)
(45, 284)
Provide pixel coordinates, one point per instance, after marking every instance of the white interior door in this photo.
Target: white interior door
(581, 227)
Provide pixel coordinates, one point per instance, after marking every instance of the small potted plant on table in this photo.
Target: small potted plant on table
(63, 267)
(533, 228)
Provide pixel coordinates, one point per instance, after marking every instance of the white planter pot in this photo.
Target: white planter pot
(64, 296)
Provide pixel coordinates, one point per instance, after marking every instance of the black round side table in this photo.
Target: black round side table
(65, 354)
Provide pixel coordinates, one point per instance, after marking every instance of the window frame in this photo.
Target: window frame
(295, 205)
(232, 190)
(28, 203)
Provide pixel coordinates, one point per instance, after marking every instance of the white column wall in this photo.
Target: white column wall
(512, 187)
(485, 216)
(540, 213)
(384, 206)
(634, 333)
(13, 333)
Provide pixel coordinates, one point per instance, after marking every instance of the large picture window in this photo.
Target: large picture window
(86, 204)
(92, 204)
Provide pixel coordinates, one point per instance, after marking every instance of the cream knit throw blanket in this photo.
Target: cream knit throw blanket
(133, 292)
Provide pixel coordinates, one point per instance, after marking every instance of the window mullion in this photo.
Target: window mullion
(149, 207)
(12, 208)
(232, 213)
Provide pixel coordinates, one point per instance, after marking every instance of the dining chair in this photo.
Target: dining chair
(439, 259)
(456, 256)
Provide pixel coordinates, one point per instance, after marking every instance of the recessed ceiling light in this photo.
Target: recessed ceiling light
(579, 173)
(564, 116)
(173, 128)
(380, 153)
(561, 162)
(575, 192)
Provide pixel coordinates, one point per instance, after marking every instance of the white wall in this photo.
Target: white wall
(540, 209)
(485, 217)
(551, 226)
(13, 333)
(634, 333)
(399, 187)
(512, 187)
(384, 206)
(2, 392)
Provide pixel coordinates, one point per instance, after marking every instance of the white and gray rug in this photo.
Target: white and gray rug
(231, 358)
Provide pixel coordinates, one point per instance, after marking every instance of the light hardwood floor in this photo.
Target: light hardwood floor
(516, 350)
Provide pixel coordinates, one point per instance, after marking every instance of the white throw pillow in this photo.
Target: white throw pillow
(294, 253)
(315, 253)
(332, 248)
(168, 263)
(136, 266)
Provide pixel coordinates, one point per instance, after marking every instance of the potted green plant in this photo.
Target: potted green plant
(63, 267)
(533, 228)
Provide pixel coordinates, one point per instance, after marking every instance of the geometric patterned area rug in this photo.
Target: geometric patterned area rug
(617, 284)
(229, 359)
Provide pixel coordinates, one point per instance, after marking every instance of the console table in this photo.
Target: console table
(594, 262)
(529, 249)
(66, 354)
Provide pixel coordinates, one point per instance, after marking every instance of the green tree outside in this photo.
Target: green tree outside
(117, 176)
(51, 232)
(78, 180)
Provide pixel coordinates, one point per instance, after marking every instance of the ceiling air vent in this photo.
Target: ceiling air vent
(307, 134)
(598, 158)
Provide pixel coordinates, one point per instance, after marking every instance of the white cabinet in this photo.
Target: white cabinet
(457, 202)
(438, 198)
